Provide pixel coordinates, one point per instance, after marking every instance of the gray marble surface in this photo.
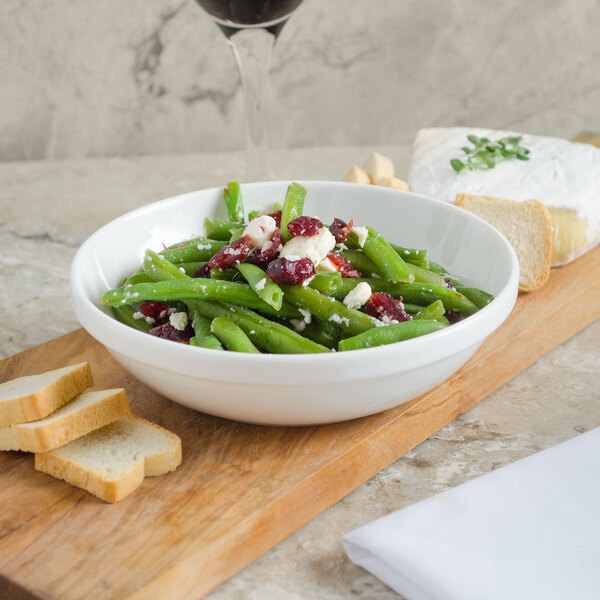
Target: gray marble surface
(116, 78)
(48, 208)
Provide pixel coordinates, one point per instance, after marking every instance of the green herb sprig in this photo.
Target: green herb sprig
(486, 154)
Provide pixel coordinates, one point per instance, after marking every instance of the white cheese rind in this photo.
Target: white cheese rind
(561, 174)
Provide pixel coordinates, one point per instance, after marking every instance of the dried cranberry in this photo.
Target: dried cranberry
(202, 271)
(166, 331)
(232, 254)
(385, 308)
(304, 226)
(262, 257)
(449, 284)
(290, 272)
(276, 214)
(344, 266)
(453, 316)
(341, 230)
(159, 311)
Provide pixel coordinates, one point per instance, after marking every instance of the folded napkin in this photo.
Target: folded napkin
(526, 531)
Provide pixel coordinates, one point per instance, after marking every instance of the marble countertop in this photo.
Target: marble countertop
(49, 208)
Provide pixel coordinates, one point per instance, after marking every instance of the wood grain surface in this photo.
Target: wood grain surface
(241, 489)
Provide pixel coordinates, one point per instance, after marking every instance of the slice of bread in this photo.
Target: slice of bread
(86, 412)
(36, 396)
(112, 461)
(527, 225)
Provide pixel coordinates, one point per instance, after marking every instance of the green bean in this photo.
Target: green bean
(125, 315)
(385, 258)
(218, 229)
(425, 275)
(264, 333)
(417, 293)
(437, 268)
(232, 336)
(262, 286)
(236, 233)
(325, 336)
(361, 262)
(253, 214)
(233, 202)
(193, 341)
(202, 333)
(412, 309)
(478, 297)
(326, 282)
(412, 256)
(433, 312)
(223, 274)
(189, 268)
(292, 208)
(198, 288)
(327, 308)
(197, 249)
(389, 334)
(139, 277)
(158, 268)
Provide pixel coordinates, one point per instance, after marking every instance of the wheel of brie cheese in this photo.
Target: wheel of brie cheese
(564, 175)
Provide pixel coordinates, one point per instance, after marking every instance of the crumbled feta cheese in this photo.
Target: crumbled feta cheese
(387, 321)
(252, 332)
(150, 320)
(293, 257)
(359, 296)
(261, 284)
(204, 246)
(335, 318)
(260, 230)
(163, 314)
(172, 310)
(138, 315)
(315, 247)
(179, 320)
(362, 233)
(182, 269)
(306, 315)
(327, 266)
(298, 324)
(341, 246)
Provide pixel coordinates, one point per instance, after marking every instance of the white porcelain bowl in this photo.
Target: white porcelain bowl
(298, 389)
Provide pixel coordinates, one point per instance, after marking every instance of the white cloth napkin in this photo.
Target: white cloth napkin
(526, 531)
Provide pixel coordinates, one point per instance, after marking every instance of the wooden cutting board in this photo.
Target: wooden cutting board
(241, 489)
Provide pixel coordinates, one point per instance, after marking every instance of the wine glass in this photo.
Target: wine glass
(251, 28)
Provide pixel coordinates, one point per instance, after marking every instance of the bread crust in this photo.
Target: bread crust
(49, 397)
(50, 433)
(143, 465)
(513, 209)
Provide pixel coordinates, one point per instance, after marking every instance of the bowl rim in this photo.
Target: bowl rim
(114, 335)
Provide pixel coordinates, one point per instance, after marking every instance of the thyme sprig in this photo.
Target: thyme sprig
(486, 154)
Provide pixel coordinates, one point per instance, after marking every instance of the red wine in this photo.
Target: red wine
(249, 12)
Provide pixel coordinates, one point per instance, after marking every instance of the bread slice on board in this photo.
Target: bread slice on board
(88, 411)
(527, 225)
(36, 396)
(112, 461)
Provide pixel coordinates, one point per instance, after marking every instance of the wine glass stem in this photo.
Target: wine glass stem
(252, 49)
